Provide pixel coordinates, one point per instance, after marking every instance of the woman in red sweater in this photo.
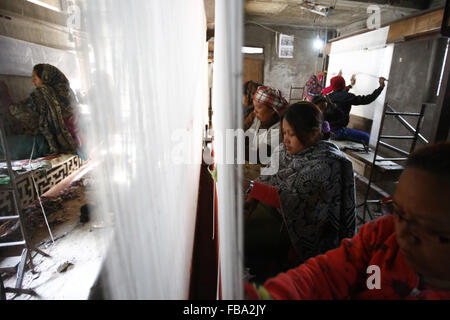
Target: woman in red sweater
(405, 255)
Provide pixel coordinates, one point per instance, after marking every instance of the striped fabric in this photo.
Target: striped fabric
(272, 98)
(317, 194)
(313, 89)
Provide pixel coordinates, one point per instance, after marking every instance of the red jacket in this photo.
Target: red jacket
(342, 273)
(266, 194)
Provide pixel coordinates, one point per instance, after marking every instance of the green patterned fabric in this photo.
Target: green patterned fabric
(5, 180)
(44, 111)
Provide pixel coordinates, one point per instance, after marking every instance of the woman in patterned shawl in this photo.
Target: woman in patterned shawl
(313, 189)
(313, 88)
(48, 111)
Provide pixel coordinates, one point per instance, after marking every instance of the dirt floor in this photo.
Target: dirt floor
(76, 253)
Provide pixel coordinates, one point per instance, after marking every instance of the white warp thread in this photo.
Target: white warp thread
(148, 106)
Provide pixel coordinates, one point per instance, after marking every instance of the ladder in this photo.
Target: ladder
(291, 97)
(381, 143)
(17, 263)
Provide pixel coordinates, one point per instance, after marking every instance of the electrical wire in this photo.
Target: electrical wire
(275, 47)
(262, 26)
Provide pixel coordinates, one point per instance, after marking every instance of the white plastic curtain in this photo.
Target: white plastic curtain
(227, 108)
(147, 102)
(18, 57)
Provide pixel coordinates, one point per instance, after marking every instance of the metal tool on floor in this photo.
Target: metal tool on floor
(15, 263)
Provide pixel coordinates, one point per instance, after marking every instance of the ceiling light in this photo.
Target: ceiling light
(318, 43)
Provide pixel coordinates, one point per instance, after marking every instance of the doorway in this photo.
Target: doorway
(253, 69)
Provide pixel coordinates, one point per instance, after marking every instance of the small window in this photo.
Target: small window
(252, 50)
(49, 4)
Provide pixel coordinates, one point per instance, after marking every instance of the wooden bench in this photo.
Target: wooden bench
(362, 161)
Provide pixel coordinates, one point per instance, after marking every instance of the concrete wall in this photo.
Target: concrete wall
(281, 73)
(19, 87)
(23, 20)
(413, 80)
(27, 21)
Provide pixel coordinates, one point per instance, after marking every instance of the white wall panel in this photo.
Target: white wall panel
(367, 56)
(18, 57)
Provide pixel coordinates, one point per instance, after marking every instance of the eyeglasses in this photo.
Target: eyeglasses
(416, 229)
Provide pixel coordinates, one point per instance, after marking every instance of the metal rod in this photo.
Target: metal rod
(6, 218)
(387, 145)
(21, 291)
(20, 268)
(12, 178)
(391, 159)
(398, 137)
(373, 168)
(26, 242)
(408, 126)
(43, 211)
(12, 244)
(2, 289)
(419, 124)
(41, 252)
(37, 193)
(412, 114)
(373, 186)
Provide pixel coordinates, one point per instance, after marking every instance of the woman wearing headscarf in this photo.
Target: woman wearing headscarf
(250, 88)
(313, 88)
(313, 192)
(47, 115)
(269, 105)
(329, 89)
